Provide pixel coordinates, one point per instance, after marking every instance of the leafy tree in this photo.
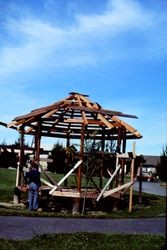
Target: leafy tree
(95, 156)
(162, 165)
(58, 156)
(71, 154)
(63, 158)
(17, 143)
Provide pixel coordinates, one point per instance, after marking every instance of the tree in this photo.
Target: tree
(97, 156)
(58, 156)
(162, 165)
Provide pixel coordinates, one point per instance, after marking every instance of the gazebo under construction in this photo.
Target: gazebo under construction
(76, 117)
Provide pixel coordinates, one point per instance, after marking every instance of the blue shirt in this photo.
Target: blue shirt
(33, 176)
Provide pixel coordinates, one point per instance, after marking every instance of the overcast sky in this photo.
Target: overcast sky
(115, 51)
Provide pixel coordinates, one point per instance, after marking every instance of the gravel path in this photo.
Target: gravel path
(18, 228)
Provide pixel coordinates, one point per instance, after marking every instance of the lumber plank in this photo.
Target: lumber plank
(66, 176)
(114, 190)
(108, 183)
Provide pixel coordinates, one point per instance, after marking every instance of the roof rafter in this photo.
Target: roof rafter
(70, 114)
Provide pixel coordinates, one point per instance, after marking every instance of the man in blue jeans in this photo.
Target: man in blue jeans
(34, 183)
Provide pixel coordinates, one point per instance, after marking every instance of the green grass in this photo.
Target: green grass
(7, 184)
(152, 205)
(88, 241)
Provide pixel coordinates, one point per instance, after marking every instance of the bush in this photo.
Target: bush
(162, 165)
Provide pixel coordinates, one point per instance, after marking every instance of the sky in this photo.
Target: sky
(115, 51)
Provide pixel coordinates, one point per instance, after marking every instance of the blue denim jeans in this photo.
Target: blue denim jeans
(33, 194)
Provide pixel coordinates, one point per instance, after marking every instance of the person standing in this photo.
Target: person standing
(34, 183)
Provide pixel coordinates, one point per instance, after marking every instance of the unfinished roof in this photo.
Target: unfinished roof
(6, 125)
(67, 117)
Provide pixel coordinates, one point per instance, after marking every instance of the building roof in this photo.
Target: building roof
(151, 159)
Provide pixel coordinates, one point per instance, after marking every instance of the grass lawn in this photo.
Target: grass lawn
(152, 206)
(88, 241)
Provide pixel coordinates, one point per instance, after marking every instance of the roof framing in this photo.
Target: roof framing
(68, 116)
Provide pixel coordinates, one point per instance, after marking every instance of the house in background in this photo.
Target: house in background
(151, 163)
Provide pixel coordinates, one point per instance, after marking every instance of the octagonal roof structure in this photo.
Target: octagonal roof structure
(67, 117)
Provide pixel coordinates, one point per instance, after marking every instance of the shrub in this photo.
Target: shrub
(162, 165)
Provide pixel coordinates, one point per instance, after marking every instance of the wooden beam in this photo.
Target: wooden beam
(123, 155)
(49, 113)
(127, 126)
(109, 181)
(74, 120)
(29, 120)
(114, 190)
(74, 193)
(87, 101)
(133, 182)
(66, 176)
(28, 130)
(61, 193)
(37, 141)
(82, 112)
(53, 182)
(20, 122)
(46, 182)
(132, 174)
(79, 120)
(104, 120)
(11, 124)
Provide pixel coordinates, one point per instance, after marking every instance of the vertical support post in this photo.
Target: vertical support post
(101, 171)
(81, 156)
(76, 203)
(102, 159)
(17, 176)
(122, 171)
(124, 142)
(123, 160)
(21, 160)
(68, 140)
(66, 166)
(119, 140)
(118, 151)
(132, 176)
(37, 142)
(16, 198)
(140, 183)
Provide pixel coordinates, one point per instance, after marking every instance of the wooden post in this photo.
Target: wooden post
(17, 176)
(68, 140)
(118, 151)
(76, 204)
(132, 176)
(123, 160)
(102, 159)
(37, 142)
(119, 140)
(101, 171)
(16, 197)
(140, 183)
(81, 156)
(21, 160)
(65, 177)
(122, 170)
(66, 168)
(109, 181)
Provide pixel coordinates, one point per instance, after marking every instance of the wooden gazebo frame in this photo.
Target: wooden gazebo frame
(75, 117)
